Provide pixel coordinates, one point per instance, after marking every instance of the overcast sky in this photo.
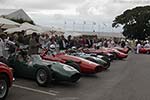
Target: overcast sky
(57, 12)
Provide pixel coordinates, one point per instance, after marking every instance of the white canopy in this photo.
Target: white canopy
(38, 29)
(4, 21)
(27, 26)
(13, 30)
(24, 27)
(9, 26)
(29, 32)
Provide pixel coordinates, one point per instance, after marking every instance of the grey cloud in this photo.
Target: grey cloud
(107, 9)
(3, 1)
(43, 4)
(89, 10)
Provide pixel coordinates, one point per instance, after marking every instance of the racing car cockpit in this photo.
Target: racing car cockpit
(23, 56)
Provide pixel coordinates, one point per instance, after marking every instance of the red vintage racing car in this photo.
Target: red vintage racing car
(124, 50)
(117, 54)
(144, 50)
(109, 52)
(99, 52)
(6, 79)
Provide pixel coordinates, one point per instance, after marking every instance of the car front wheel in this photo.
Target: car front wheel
(43, 77)
(4, 86)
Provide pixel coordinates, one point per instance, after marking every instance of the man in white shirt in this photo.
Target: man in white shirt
(138, 48)
(147, 45)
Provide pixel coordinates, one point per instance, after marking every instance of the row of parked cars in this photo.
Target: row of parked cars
(50, 66)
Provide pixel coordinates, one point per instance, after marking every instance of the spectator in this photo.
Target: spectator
(70, 42)
(138, 47)
(34, 44)
(10, 45)
(147, 45)
(47, 38)
(21, 37)
(57, 39)
(89, 42)
(62, 43)
(41, 39)
(105, 44)
(2, 45)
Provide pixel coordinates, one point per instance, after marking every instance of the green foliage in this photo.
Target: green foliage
(135, 22)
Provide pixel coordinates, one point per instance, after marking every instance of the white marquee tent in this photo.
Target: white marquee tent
(4, 21)
(24, 27)
(29, 28)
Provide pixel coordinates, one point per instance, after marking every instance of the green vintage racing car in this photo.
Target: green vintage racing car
(42, 71)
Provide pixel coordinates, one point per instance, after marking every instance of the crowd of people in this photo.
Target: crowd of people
(35, 42)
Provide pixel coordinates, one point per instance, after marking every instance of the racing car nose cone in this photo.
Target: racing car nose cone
(75, 77)
(98, 69)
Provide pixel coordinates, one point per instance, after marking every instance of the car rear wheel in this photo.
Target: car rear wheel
(4, 86)
(43, 77)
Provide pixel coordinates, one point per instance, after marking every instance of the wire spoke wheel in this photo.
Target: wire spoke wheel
(3, 88)
(41, 76)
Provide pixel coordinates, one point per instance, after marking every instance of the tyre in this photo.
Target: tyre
(74, 65)
(43, 77)
(4, 86)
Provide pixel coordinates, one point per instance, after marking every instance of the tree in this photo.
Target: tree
(135, 22)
